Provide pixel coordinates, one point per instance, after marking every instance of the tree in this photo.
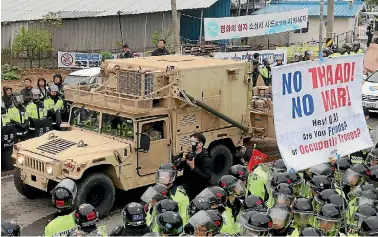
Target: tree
(32, 43)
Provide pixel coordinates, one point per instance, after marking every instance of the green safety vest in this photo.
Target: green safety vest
(60, 226)
(5, 119)
(16, 115)
(149, 218)
(229, 224)
(35, 113)
(102, 230)
(49, 104)
(265, 72)
(360, 51)
(256, 185)
(334, 55)
(183, 202)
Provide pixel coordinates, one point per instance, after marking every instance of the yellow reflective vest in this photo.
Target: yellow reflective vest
(60, 226)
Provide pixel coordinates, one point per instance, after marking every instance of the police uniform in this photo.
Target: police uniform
(178, 195)
(61, 225)
(256, 183)
(35, 111)
(230, 217)
(267, 75)
(5, 120)
(19, 116)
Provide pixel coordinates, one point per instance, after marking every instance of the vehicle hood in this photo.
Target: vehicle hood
(65, 145)
(370, 88)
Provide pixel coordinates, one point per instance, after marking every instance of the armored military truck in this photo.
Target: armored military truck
(141, 116)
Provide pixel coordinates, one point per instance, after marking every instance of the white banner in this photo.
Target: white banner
(84, 60)
(248, 55)
(318, 110)
(254, 25)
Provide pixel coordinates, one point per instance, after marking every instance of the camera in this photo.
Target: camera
(190, 155)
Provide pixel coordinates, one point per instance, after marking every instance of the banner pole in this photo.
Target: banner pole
(342, 196)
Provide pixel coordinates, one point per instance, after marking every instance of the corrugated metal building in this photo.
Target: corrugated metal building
(94, 25)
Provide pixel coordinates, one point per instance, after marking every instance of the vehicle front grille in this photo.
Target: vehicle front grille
(35, 164)
(56, 146)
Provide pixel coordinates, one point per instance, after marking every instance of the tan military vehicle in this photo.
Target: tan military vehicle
(141, 116)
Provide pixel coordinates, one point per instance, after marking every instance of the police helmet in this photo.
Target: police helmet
(266, 61)
(169, 223)
(343, 164)
(366, 210)
(369, 187)
(367, 196)
(322, 198)
(369, 226)
(309, 231)
(239, 172)
(197, 205)
(232, 185)
(133, 214)
(215, 195)
(279, 167)
(166, 174)
(279, 58)
(296, 182)
(319, 182)
(303, 212)
(166, 205)
(157, 192)
(308, 53)
(257, 224)
(328, 219)
(86, 215)
(355, 175)
(281, 216)
(327, 51)
(302, 205)
(329, 211)
(211, 220)
(372, 158)
(10, 228)
(53, 88)
(321, 169)
(284, 194)
(278, 179)
(337, 200)
(254, 203)
(64, 194)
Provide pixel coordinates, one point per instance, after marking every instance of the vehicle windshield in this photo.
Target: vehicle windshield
(74, 80)
(373, 78)
(85, 118)
(115, 125)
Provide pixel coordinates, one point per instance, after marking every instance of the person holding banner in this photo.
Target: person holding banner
(297, 57)
(357, 48)
(335, 51)
(279, 61)
(326, 52)
(307, 55)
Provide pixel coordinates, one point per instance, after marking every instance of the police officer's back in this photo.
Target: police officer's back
(169, 224)
(134, 221)
(10, 228)
(63, 197)
(86, 218)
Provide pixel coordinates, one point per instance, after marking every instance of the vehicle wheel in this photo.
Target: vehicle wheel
(98, 190)
(24, 189)
(222, 159)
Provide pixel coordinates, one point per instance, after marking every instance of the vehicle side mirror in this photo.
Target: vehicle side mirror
(144, 143)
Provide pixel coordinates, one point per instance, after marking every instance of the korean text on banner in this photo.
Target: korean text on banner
(78, 60)
(248, 55)
(318, 110)
(254, 25)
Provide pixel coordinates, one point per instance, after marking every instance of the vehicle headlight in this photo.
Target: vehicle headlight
(49, 168)
(20, 159)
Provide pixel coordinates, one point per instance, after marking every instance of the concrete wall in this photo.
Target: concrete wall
(98, 33)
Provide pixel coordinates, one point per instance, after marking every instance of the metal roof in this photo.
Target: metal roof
(342, 8)
(27, 10)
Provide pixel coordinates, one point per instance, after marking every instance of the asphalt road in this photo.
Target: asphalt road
(32, 215)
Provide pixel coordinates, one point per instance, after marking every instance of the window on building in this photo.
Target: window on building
(303, 30)
(115, 125)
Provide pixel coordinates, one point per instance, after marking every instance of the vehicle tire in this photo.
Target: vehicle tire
(98, 190)
(222, 159)
(24, 189)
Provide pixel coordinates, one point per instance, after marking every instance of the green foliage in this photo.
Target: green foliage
(9, 72)
(156, 36)
(119, 44)
(52, 19)
(33, 43)
(106, 55)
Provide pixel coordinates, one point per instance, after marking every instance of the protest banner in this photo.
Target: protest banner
(248, 55)
(318, 110)
(78, 60)
(254, 25)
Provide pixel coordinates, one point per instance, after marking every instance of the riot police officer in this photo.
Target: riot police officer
(328, 220)
(35, 110)
(254, 203)
(196, 205)
(166, 175)
(10, 228)
(361, 213)
(303, 214)
(341, 166)
(274, 182)
(217, 197)
(283, 194)
(86, 218)
(354, 177)
(318, 183)
(151, 196)
(256, 224)
(169, 224)
(161, 207)
(206, 223)
(281, 217)
(322, 198)
(279, 61)
(266, 72)
(234, 189)
(134, 221)
(369, 226)
(63, 198)
(17, 114)
(53, 103)
(347, 49)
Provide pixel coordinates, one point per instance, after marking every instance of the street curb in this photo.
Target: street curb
(7, 173)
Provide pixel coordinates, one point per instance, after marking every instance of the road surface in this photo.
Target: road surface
(32, 215)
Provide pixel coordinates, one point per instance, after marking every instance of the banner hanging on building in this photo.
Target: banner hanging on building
(254, 25)
(84, 60)
(248, 55)
(318, 110)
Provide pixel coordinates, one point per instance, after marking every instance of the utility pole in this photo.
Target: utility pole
(330, 17)
(321, 13)
(176, 29)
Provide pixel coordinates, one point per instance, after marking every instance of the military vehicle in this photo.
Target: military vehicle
(141, 116)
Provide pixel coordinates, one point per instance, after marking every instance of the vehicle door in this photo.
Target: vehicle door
(160, 146)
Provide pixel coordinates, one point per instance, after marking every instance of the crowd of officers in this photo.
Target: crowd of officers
(266, 70)
(337, 198)
(22, 110)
